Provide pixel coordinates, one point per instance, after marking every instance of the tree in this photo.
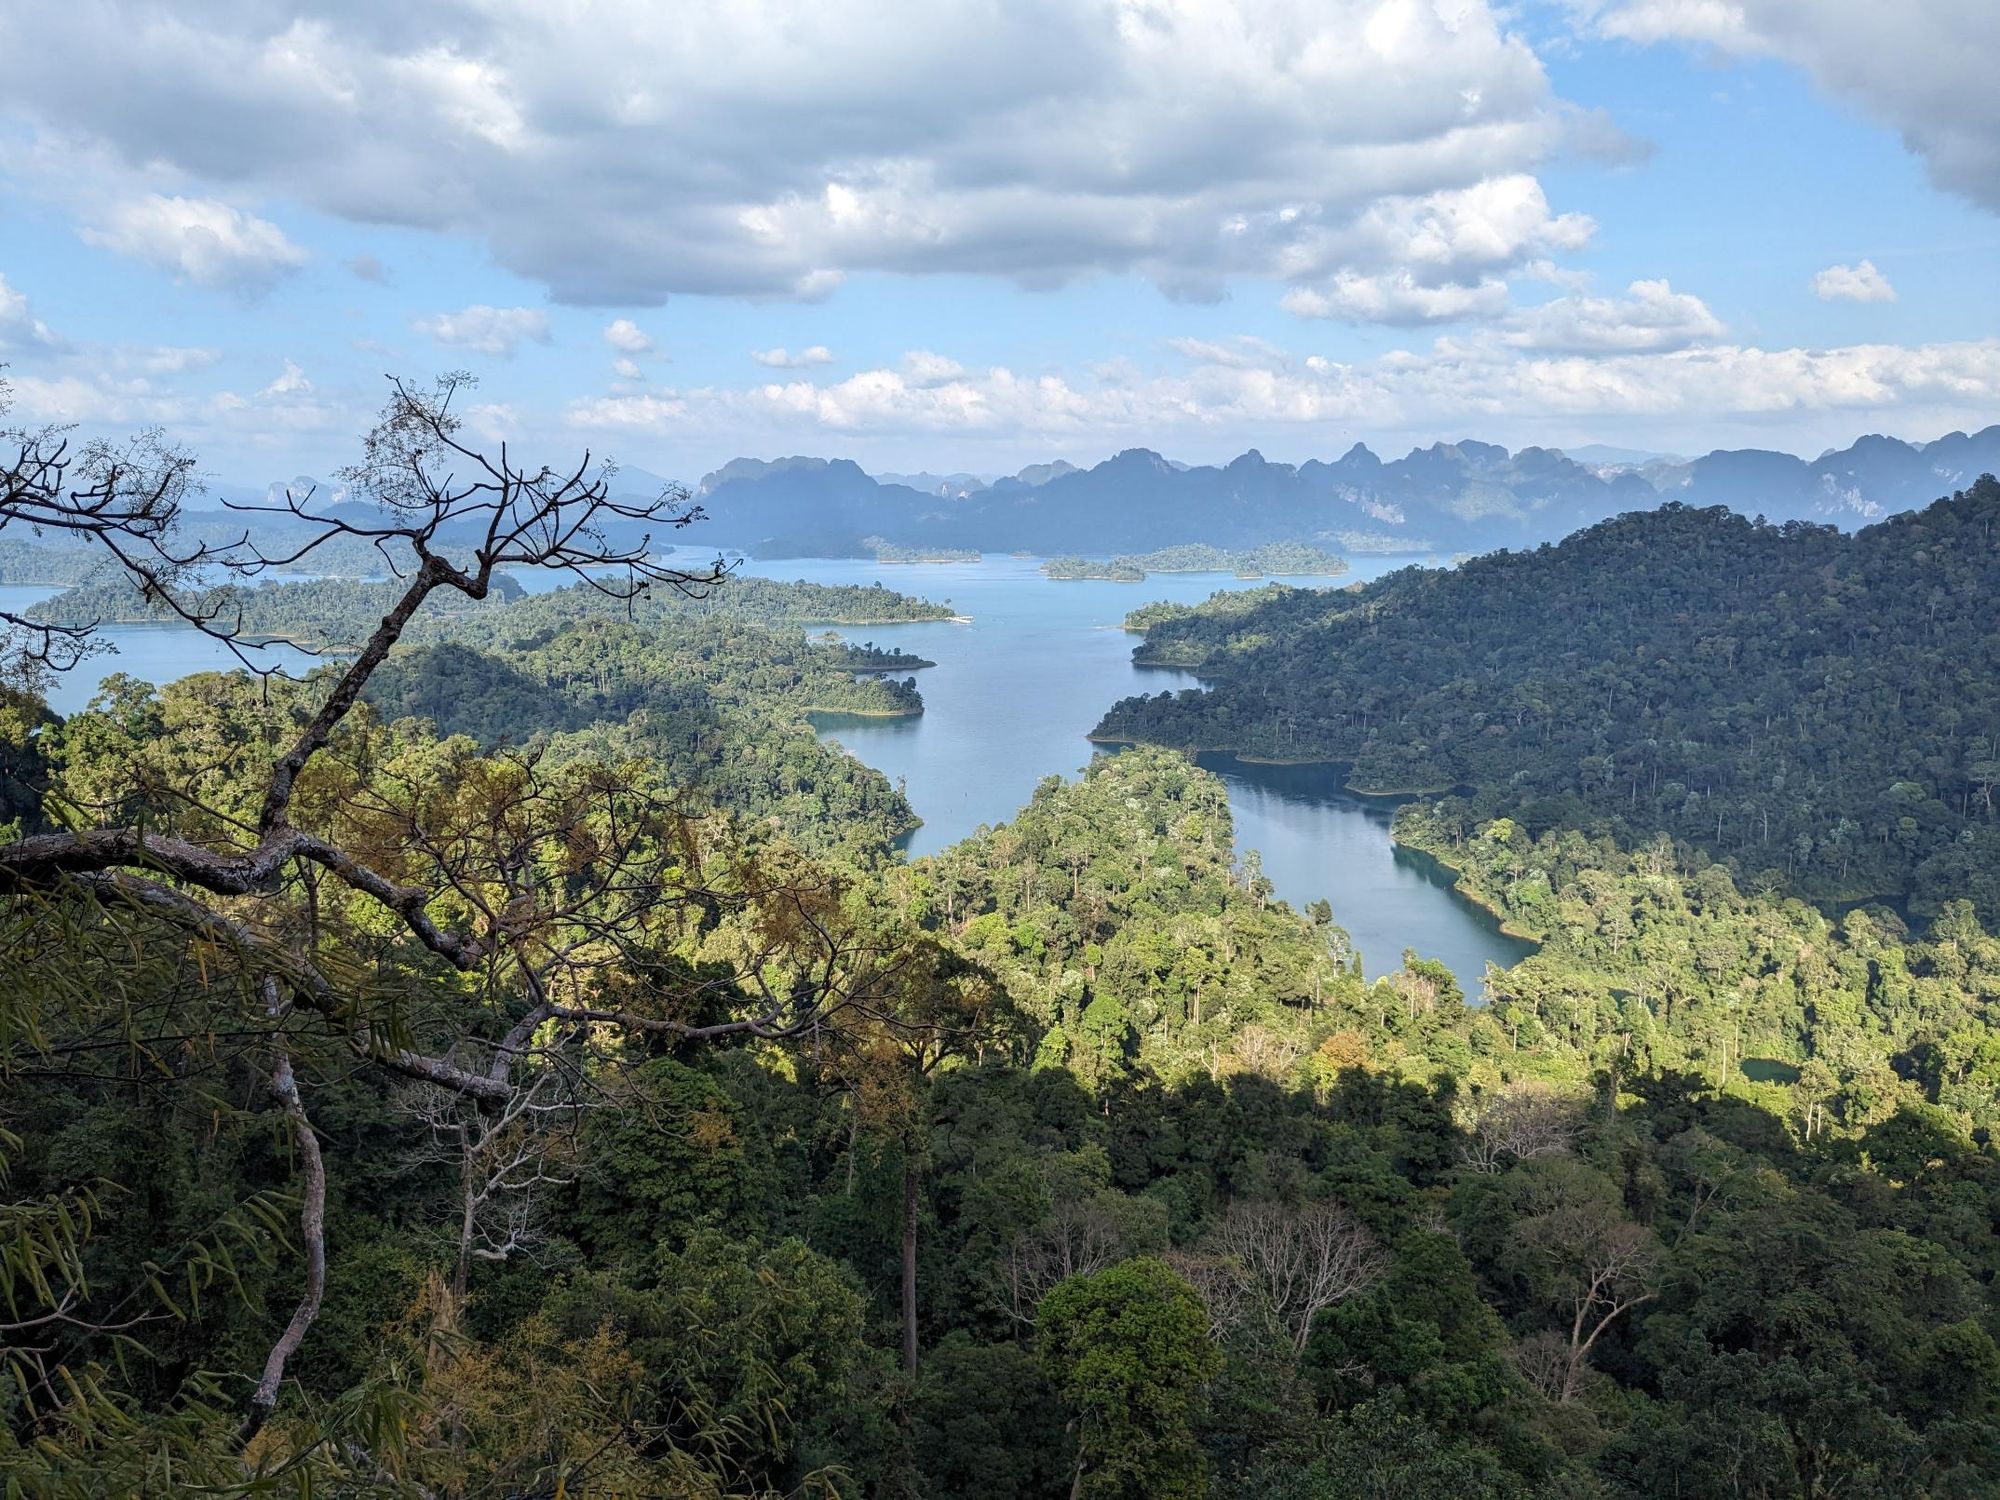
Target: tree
(1520, 1123)
(539, 893)
(1292, 1263)
(1127, 1349)
(920, 1006)
(1589, 1262)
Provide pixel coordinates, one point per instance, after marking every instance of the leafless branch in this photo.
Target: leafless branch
(312, 1231)
(1300, 1261)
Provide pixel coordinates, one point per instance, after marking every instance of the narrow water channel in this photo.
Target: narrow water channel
(1015, 692)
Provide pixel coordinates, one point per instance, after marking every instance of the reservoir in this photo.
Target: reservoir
(1014, 693)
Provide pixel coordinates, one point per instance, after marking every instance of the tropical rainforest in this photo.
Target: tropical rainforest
(516, 1059)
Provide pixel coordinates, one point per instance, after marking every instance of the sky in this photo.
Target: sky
(976, 234)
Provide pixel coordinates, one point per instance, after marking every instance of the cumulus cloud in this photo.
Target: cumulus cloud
(1858, 283)
(1651, 316)
(202, 240)
(628, 337)
(498, 331)
(1923, 67)
(925, 367)
(1450, 250)
(1399, 299)
(767, 151)
(784, 359)
(1495, 383)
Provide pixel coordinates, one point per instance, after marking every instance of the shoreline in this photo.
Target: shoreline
(864, 713)
(1473, 896)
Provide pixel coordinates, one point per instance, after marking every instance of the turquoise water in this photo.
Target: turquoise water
(1015, 691)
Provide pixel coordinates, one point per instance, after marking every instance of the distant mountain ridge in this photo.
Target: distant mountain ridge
(1448, 498)
(1466, 496)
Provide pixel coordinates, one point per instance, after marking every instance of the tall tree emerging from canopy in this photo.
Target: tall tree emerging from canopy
(1129, 1352)
(333, 877)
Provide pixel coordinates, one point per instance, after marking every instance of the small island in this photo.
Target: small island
(1272, 560)
(870, 658)
(1116, 570)
(887, 551)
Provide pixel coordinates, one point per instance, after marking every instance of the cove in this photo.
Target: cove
(1016, 691)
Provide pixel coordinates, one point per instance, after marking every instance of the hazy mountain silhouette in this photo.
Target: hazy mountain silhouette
(1466, 496)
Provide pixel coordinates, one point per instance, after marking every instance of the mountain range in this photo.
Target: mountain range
(1448, 498)
(1451, 497)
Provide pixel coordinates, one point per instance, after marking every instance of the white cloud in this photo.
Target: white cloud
(784, 359)
(291, 381)
(1398, 298)
(1857, 283)
(923, 367)
(1450, 252)
(498, 331)
(1490, 385)
(1923, 67)
(1651, 316)
(162, 359)
(202, 240)
(627, 368)
(1244, 352)
(19, 327)
(768, 150)
(628, 337)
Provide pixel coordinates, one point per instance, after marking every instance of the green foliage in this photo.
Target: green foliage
(988, 1426)
(671, 1159)
(1128, 1352)
(1789, 698)
(1702, 1200)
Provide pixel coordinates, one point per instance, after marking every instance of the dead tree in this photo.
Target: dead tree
(1080, 1236)
(508, 1159)
(1223, 1284)
(1520, 1123)
(447, 518)
(1596, 1266)
(1297, 1262)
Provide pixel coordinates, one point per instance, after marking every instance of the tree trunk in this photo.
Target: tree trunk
(909, 1262)
(462, 1268)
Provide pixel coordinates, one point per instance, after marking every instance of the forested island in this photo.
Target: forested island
(516, 1059)
(340, 612)
(1272, 560)
(891, 552)
(46, 564)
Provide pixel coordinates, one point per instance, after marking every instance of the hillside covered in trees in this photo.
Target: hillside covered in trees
(515, 1061)
(1819, 706)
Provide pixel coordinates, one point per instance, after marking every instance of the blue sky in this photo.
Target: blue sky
(964, 236)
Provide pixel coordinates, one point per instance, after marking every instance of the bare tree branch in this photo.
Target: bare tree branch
(312, 1232)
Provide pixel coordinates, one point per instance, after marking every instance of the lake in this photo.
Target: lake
(152, 653)
(1012, 697)
(1016, 691)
